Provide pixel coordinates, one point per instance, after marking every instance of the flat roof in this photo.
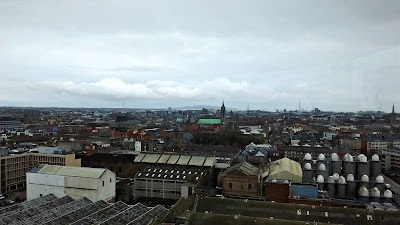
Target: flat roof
(183, 160)
(69, 171)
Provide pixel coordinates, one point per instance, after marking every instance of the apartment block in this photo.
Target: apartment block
(13, 168)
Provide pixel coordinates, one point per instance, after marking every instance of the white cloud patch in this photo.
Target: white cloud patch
(114, 88)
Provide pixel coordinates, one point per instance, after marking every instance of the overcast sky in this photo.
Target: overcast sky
(335, 55)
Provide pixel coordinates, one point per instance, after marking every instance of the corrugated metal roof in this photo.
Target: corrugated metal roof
(173, 159)
(140, 157)
(164, 158)
(151, 158)
(210, 161)
(183, 160)
(197, 160)
(72, 171)
(244, 167)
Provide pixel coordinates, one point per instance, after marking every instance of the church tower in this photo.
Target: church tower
(223, 111)
(393, 116)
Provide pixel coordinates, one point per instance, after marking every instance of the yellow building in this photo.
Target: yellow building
(285, 169)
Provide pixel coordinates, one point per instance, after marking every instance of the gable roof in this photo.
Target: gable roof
(244, 167)
(285, 165)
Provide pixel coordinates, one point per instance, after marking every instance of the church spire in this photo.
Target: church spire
(393, 112)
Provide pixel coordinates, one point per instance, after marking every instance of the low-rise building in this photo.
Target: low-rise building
(76, 182)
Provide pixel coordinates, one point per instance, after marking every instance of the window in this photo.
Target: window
(110, 180)
(249, 186)
(230, 185)
(120, 170)
(103, 183)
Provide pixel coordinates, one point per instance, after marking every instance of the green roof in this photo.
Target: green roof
(178, 120)
(209, 121)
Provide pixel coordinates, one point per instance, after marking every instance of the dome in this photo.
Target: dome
(336, 176)
(388, 194)
(359, 156)
(348, 158)
(334, 157)
(362, 158)
(321, 167)
(331, 180)
(342, 180)
(388, 186)
(363, 192)
(321, 157)
(350, 177)
(379, 179)
(320, 179)
(375, 158)
(307, 156)
(273, 181)
(307, 166)
(364, 178)
(375, 192)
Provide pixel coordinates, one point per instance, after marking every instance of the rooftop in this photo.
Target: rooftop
(68, 171)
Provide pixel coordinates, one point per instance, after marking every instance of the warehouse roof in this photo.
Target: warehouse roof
(178, 159)
(68, 171)
(178, 175)
(285, 165)
(244, 167)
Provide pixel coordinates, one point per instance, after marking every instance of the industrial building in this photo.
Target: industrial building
(166, 184)
(65, 210)
(76, 182)
(391, 159)
(13, 168)
(285, 169)
(353, 178)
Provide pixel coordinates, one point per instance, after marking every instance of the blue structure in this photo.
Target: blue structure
(303, 190)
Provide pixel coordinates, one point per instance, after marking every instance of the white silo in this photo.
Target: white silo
(376, 166)
(331, 186)
(388, 196)
(351, 187)
(363, 193)
(375, 194)
(320, 182)
(364, 181)
(362, 166)
(336, 176)
(336, 164)
(308, 173)
(321, 159)
(379, 183)
(341, 187)
(323, 171)
(349, 166)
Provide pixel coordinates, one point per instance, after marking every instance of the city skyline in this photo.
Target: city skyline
(337, 56)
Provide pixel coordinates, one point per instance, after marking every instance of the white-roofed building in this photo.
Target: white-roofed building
(77, 182)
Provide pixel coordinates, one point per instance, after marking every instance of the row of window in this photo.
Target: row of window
(241, 186)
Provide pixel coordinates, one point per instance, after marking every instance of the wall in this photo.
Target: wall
(38, 185)
(277, 192)
(307, 191)
(240, 185)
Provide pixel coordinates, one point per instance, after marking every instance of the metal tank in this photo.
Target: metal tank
(307, 159)
(321, 160)
(323, 171)
(308, 173)
(362, 166)
(336, 164)
(341, 187)
(375, 194)
(349, 166)
(388, 196)
(363, 194)
(335, 176)
(320, 182)
(376, 167)
(364, 181)
(379, 183)
(351, 187)
(331, 186)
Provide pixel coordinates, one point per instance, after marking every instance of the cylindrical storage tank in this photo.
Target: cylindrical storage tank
(336, 176)
(363, 193)
(341, 187)
(362, 166)
(364, 181)
(349, 166)
(308, 173)
(320, 182)
(376, 167)
(379, 183)
(375, 194)
(336, 164)
(307, 159)
(351, 187)
(323, 171)
(331, 186)
(388, 196)
(321, 159)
